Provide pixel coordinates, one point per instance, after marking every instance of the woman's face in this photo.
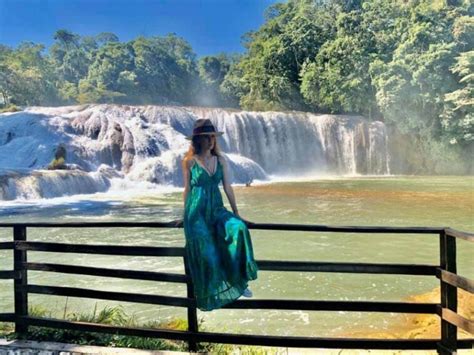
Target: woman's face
(207, 141)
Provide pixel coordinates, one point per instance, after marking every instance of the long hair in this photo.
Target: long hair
(195, 148)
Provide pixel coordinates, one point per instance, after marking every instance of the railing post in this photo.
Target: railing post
(21, 295)
(192, 311)
(449, 294)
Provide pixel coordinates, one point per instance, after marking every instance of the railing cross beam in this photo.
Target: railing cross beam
(20, 283)
(193, 326)
(449, 295)
(450, 281)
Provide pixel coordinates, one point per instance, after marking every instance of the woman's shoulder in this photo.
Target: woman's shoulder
(189, 161)
(224, 160)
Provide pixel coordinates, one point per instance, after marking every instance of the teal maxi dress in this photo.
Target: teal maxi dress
(218, 244)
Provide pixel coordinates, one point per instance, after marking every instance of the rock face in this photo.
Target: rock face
(50, 183)
(146, 143)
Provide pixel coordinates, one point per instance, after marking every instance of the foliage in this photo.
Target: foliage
(26, 76)
(405, 62)
(408, 63)
(116, 316)
(458, 116)
(11, 108)
(212, 71)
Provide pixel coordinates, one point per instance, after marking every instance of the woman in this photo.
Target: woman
(218, 245)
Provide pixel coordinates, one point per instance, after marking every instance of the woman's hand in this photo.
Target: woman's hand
(177, 223)
(245, 221)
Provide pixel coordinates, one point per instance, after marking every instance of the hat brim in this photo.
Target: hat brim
(206, 133)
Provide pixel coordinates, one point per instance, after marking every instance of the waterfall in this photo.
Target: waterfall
(303, 142)
(147, 143)
(47, 184)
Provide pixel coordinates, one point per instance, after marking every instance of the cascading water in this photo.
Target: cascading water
(147, 143)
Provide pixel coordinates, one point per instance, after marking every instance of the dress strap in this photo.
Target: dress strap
(215, 165)
(203, 167)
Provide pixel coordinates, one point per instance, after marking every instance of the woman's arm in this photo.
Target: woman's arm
(227, 187)
(186, 165)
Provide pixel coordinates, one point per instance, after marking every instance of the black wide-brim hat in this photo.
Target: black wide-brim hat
(204, 126)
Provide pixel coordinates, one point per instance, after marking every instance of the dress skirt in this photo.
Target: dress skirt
(218, 247)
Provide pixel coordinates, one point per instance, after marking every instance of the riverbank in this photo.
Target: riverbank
(409, 327)
(422, 326)
(24, 347)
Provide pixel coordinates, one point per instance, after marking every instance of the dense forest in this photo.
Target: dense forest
(406, 62)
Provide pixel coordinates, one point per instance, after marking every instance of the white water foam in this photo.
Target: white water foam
(144, 145)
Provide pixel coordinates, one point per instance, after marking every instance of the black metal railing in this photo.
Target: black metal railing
(446, 309)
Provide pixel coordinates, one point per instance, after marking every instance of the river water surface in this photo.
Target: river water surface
(363, 201)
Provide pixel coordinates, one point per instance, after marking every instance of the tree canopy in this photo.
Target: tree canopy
(407, 62)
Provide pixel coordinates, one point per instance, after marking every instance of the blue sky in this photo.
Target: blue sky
(210, 26)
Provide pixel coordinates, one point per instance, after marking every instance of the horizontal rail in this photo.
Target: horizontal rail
(345, 229)
(405, 269)
(265, 264)
(455, 280)
(7, 245)
(9, 275)
(458, 234)
(100, 249)
(457, 320)
(247, 339)
(262, 264)
(118, 273)
(450, 319)
(108, 295)
(7, 317)
(310, 305)
(348, 306)
(444, 349)
(251, 225)
(170, 224)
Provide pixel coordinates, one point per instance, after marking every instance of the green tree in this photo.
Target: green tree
(458, 116)
(232, 88)
(70, 57)
(412, 85)
(338, 80)
(66, 38)
(108, 79)
(27, 77)
(165, 69)
(106, 37)
(212, 71)
(293, 32)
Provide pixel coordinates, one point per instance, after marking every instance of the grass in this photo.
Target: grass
(11, 108)
(116, 316)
